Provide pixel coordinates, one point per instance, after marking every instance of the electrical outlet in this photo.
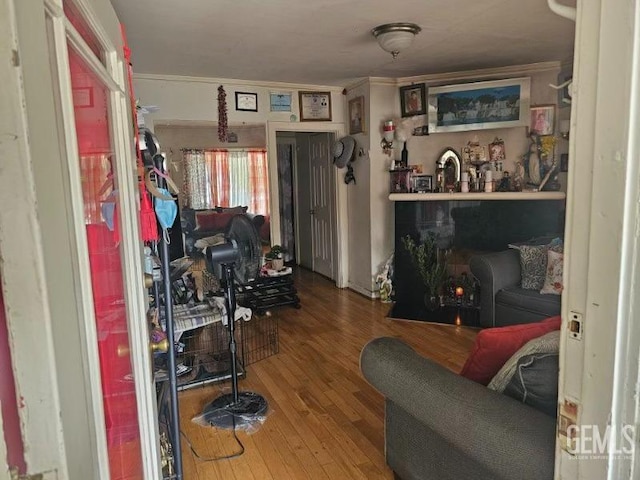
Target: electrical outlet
(575, 325)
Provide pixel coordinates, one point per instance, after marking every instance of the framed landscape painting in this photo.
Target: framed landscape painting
(479, 105)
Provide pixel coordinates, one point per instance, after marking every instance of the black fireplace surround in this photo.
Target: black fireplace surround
(468, 226)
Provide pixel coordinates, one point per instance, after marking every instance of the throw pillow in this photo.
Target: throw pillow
(533, 264)
(535, 382)
(494, 346)
(553, 278)
(548, 343)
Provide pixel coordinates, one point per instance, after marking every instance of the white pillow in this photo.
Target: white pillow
(553, 278)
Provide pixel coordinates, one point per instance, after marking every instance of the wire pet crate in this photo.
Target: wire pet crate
(259, 338)
(203, 351)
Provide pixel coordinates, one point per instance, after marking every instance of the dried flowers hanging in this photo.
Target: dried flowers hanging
(223, 128)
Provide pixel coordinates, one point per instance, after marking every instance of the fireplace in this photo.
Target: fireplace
(464, 228)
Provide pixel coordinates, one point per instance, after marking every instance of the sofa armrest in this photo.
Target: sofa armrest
(494, 271)
(509, 438)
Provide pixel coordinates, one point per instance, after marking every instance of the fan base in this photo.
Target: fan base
(224, 413)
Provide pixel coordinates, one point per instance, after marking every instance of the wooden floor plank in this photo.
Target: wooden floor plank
(326, 421)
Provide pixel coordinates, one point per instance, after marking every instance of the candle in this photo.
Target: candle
(465, 177)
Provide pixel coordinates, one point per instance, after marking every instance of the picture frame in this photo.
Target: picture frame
(497, 151)
(479, 105)
(564, 162)
(542, 119)
(315, 106)
(246, 102)
(356, 115)
(280, 101)
(421, 183)
(413, 100)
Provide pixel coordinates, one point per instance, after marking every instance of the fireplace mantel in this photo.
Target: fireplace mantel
(430, 197)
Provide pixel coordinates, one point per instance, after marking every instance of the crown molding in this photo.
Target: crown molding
(481, 74)
(467, 75)
(233, 81)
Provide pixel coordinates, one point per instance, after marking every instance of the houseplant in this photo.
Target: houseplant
(430, 263)
(275, 256)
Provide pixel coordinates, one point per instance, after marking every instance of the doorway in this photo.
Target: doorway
(307, 200)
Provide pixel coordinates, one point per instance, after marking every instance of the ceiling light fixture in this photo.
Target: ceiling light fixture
(395, 37)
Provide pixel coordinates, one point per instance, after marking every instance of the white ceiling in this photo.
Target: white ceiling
(329, 42)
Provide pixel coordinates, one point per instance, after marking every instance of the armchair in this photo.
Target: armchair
(502, 300)
(439, 425)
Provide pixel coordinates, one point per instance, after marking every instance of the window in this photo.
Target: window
(226, 178)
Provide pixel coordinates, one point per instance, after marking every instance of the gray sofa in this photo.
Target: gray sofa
(502, 301)
(441, 426)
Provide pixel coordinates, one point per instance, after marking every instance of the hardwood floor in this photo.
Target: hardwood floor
(325, 420)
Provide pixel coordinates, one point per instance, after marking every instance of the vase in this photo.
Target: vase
(432, 302)
(277, 264)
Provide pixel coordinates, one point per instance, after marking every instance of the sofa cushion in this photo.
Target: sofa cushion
(547, 343)
(529, 300)
(535, 382)
(494, 346)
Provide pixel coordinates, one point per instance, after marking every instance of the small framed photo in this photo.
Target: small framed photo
(280, 101)
(542, 118)
(564, 162)
(246, 102)
(315, 106)
(496, 151)
(421, 183)
(356, 115)
(413, 100)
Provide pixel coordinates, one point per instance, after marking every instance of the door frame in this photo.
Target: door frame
(340, 203)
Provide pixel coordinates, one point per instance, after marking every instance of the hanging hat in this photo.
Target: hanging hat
(343, 151)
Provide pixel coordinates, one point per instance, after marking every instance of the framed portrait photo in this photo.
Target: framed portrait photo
(315, 106)
(246, 102)
(413, 100)
(542, 119)
(497, 151)
(356, 115)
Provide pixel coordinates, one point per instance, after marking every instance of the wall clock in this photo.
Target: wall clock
(247, 102)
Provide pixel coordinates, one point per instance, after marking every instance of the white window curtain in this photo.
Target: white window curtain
(226, 178)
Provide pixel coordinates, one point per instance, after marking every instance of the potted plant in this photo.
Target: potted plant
(275, 256)
(431, 264)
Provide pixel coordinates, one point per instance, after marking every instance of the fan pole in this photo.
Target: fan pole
(231, 319)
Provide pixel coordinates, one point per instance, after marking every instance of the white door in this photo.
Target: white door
(88, 83)
(322, 198)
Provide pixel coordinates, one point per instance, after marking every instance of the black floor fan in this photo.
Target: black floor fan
(237, 259)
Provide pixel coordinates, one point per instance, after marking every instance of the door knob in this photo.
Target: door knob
(161, 347)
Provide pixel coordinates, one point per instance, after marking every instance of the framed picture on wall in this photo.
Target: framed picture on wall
(315, 106)
(356, 115)
(246, 102)
(542, 119)
(479, 105)
(413, 100)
